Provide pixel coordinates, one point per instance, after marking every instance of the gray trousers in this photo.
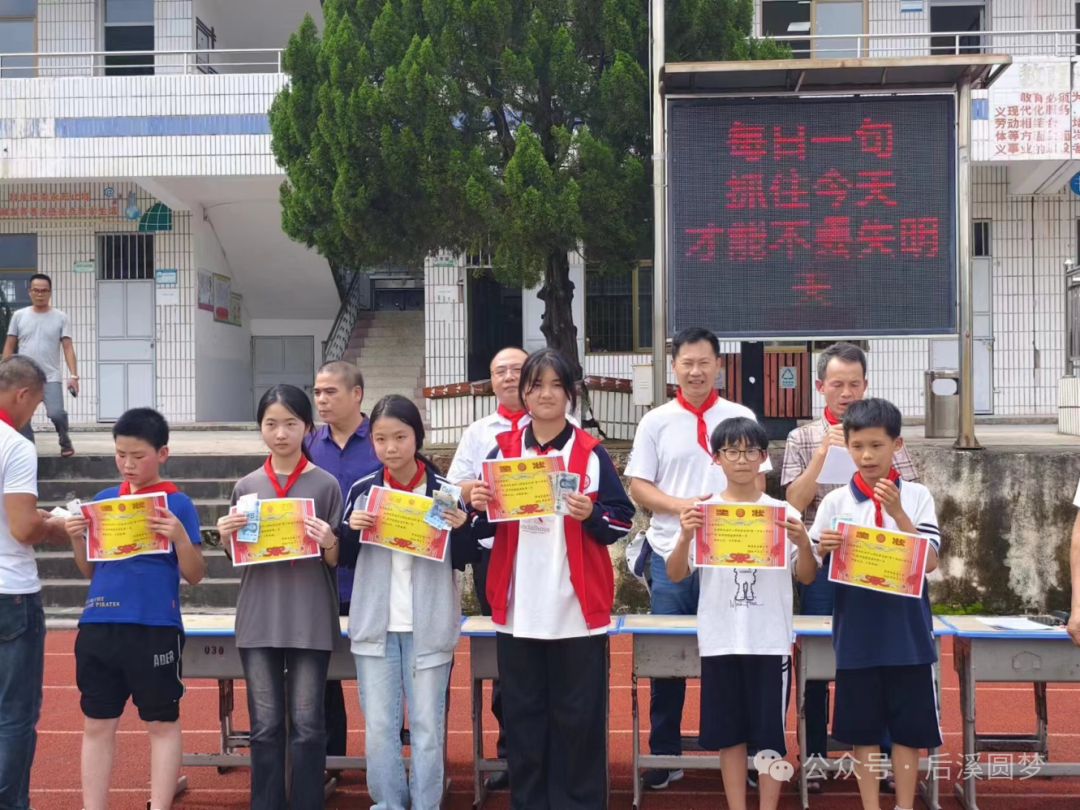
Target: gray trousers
(54, 408)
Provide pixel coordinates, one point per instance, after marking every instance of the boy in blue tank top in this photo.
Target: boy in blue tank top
(130, 635)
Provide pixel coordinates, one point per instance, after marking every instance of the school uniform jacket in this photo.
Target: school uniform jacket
(436, 620)
(591, 573)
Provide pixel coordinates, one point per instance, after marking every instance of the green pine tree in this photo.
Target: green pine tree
(412, 126)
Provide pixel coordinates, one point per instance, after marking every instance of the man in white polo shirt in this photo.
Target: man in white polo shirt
(670, 469)
(475, 446)
(22, 619)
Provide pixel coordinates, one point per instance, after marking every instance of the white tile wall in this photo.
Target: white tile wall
(28, 129)
(174, 30)
(67, 26)
(61, 243)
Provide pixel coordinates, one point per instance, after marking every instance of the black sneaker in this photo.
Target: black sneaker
(751, 776)
(500, 780)
(660, 779)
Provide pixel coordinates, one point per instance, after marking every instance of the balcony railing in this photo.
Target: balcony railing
(139, 63)
(1059, 42)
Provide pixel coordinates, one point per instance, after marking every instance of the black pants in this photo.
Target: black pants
(480, 583)
(337, 723)
(555, 697)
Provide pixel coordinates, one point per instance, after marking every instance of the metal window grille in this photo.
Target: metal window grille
(618, 311)
(981, 239)
(125, 257)
(609, 312)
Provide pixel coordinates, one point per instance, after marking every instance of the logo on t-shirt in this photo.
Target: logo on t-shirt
(745, 580)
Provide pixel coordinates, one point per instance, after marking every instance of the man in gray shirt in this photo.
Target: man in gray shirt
(44, 334)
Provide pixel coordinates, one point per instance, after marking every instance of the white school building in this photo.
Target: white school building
(144, 185)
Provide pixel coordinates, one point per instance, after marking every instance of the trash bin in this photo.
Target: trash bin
(942, 403)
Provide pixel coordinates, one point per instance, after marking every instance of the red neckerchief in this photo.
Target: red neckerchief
(5, 417)
(283, 492)
(832, 420)
(409, 487)
(164, 487)
(512, 416)
(866, 490)
(702, 430)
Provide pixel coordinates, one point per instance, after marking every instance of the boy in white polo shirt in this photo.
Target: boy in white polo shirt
(671, 468)
(744, 624)
(885, 652)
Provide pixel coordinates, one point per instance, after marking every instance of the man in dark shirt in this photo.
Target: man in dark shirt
(343, 448)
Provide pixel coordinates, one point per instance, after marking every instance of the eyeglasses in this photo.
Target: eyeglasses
(39, 291)
(502, 372)
(752, 454)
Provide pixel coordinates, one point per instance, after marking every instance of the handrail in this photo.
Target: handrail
(187, 61)
(963, 42)
(356, 298)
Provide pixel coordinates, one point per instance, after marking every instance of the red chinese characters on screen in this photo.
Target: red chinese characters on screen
(817, 196)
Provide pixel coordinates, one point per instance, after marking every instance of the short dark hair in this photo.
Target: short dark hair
(39, 277)
(737, 430)
(344, 369)
(845, 353)
(872, 413)
(694, 334)
(143, 423)
(20, 371)
(535, 366)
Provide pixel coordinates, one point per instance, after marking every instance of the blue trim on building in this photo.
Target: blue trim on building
(160, 125)
(980, 109)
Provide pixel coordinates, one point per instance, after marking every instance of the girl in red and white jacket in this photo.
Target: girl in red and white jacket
(550, 584)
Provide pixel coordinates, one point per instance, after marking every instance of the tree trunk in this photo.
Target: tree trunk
(557, 293)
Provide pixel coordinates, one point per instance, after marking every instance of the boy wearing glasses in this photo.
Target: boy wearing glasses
(744, 624)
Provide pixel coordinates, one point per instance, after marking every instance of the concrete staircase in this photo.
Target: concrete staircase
(207, 480)
(388, 347)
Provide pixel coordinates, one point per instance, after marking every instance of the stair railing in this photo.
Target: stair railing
(355, 299)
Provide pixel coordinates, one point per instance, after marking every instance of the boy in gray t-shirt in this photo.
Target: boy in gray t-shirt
(44, 334)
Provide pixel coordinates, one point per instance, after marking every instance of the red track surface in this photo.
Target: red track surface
(1002, 708)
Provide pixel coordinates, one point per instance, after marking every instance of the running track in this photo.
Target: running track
(1002, 708)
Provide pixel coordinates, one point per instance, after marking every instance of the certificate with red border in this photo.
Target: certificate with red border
(880, 560)
(741, 535)
(400, 525)
(282, 533)
(118, 528)
(523, 487)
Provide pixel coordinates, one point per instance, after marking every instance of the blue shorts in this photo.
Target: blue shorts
(744, 699)
(902, 700)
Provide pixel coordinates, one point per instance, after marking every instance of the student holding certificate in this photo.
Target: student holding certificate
(405, 616)
(130, 634)
(287, 612)
(744, 617)
(841, 380)
(671, 467)
(884, 643)
(551, 587)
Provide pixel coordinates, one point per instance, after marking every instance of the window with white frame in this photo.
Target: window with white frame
(17, 35)
(842, 21)
(963, 17)
(618, 310)
(129, 26)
